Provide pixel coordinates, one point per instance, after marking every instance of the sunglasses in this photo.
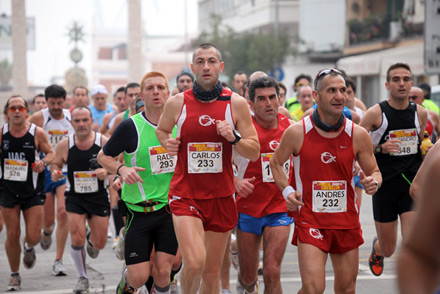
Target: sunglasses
(413, 97)
(14, 108)
(302, 84)
(325, 72)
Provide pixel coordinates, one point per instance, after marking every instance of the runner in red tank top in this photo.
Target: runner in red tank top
(325, 146)
(210, 121)
(262, 209)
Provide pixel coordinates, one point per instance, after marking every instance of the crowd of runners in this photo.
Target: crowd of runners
(206, 175)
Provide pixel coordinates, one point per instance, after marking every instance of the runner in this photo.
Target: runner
(260, 204)
(397, 127)
(209, 122)
(146, 175)
(56, 122)
(325, 146)
(22, 184)
(86, 195)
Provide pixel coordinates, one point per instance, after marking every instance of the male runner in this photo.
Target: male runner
(86, 195)
(22, 184)
(260, 204)
(56, 122)
(397, 127)
(146, 173)
(210, 120)
(325, 146)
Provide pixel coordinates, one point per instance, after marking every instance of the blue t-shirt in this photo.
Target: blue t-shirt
(97, 115)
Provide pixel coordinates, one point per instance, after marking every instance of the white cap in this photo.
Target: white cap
(98, 89)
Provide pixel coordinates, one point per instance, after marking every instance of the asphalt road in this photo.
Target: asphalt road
(105, 271)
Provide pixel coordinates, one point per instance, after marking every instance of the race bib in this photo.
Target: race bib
(409, 140)
(329, 196)
(160, 161)
(85, 182)
(266, 172)
(16, 170)
(55, 136)
(205, 158)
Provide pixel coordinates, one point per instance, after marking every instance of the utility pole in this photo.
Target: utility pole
(134, 41)
(19, 47)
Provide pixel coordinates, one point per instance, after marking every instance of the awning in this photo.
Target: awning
(377, 63)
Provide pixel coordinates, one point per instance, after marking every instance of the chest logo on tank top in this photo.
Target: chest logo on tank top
(327, 157)
(273, 144)
(205, 120)
(6, 145)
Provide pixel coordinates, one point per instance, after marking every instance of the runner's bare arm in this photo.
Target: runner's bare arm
(44, 146)
(37, 118)
(119, 117)
(291, 143)
(164, 130)
(372, 118)
(363, 150)
(59, 160)
(419, 257)
(248, 146)
(423, 117)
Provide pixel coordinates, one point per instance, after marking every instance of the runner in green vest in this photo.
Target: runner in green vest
(146, 174)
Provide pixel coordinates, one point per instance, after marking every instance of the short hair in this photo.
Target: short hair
(185, 73)
(263, 82)
(118, 90)
(397, 65)
(37, 96)
(82, 107)
(240, 72)
(131, 86)
(302, 87)
(153, 74)
(55, 91)
(426, 87)
(207, 46)
(283, 86)
(322, 73)
(80, 87)
(302, 76)
(6, 107)
(350, 83)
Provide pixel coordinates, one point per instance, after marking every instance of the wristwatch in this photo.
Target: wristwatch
(237, 137)
(378, 149)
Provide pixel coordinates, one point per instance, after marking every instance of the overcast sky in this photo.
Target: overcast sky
(53, 17)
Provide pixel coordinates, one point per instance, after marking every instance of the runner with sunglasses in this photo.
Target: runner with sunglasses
(325, 146)
(22, 184)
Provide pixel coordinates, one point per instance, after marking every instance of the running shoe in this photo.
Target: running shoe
(260, 267)
(29, 257)
(376, 261)
(142, 290)
(93, 252)
(82, 286)
(58, 269)
(174, 287)
(119, 250)
(14, 283)
(225, 291)
(46, 240)
(115, 243)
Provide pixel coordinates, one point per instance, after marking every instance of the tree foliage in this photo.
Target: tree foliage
(247, 51)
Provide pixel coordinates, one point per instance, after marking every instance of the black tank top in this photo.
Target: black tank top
(82, 181)
(404, 125)
(18, 156)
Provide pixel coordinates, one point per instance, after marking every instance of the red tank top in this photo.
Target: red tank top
(204, 159)
(429, 127)
(266, 197)
(324, 176)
